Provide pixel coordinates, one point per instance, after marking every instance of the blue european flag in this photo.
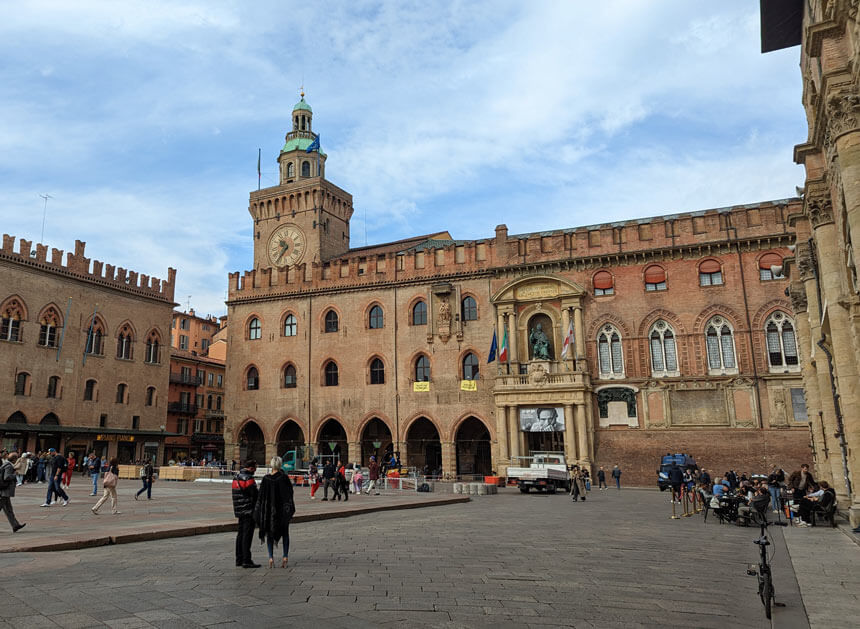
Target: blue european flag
(493, 348)
(315, 145)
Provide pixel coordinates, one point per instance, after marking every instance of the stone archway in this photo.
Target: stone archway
(424, 448)
(252, 444)
(332, 441)
(17, 418)
(376, 441)
(290, 437)
(472, 444)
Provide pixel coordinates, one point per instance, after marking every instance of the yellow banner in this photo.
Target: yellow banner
(468, 385)
(421, 386)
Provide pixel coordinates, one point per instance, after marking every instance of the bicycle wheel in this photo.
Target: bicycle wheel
(765, 591)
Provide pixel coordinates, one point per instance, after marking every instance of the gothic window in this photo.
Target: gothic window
(306, 169)
(252, 379)
(22, 383)
(53, 386)
(419, 313)
(770, 267)
(290, 377)
(331, 321)
(331, 374)
(10, 321)
(664, 359)
(720, 345)
(603, 283)
(609, 354)
(120, 393)
(470, 367)
(49, 324)
(255, 329)
(377, 371)
(422, 369)
(781, 342)
(290, 326)
(710, 273)
(90, 390)
(124, 343)
(655, 278)
(469, 310)
(376, 318)
(95, 337)
(150, 396)
(152, 349)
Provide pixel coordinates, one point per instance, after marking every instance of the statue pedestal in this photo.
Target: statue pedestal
(538, 371)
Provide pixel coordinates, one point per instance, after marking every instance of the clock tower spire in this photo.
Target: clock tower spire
(305, 218)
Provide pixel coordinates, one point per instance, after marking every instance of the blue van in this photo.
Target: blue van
(684, 461)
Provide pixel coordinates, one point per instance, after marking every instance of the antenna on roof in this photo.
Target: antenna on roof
(188, 307)
(45, 196)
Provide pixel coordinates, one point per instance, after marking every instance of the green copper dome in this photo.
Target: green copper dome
(302, 106)
(298, 144)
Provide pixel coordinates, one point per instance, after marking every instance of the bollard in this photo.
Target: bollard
(482, 489)
(674, 517)
(457, 488)
(684, 501)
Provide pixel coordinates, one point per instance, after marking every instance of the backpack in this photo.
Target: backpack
(424, 487)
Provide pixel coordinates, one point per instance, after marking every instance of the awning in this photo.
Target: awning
(602, 280)
(81, 430)
(709, 266)
(768, 260)
(655, 274)
(781, 24)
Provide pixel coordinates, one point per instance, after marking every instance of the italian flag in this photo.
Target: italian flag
(503, 352)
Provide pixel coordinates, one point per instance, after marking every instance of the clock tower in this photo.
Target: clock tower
(305, 218)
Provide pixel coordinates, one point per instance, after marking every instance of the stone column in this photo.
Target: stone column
(570, 435)
(589, 424)
(500, 331)
(512, 337)
(582, 436)
(353, 452)
(565, 325)
(844, 113)
(449, 459)
(514, 430)
(503, 455)
(271, 450)
(579, 333)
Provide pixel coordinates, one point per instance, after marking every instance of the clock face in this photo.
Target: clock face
(286, 246)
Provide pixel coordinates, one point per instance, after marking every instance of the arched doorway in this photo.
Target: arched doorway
(424, 448)
(332, 441)
(252, 444)
(376, 441)
(47, 438)
(290, 437)
(473, 448)
(17, 418)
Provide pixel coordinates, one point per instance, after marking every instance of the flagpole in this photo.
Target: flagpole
(259, 154)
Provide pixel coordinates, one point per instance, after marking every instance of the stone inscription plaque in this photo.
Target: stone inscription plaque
(699, 408)
(537, 291)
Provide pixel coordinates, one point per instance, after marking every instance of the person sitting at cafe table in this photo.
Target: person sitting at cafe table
(822, 499)
(758, 502)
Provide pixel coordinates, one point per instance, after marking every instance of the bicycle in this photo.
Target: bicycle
(765, 580)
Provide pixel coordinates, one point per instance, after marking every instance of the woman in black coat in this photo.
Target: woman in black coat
(275, 509)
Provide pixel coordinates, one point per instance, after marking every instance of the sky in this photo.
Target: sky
(142, 120)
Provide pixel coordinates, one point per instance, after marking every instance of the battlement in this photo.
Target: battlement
(624, 242)
(77, 265)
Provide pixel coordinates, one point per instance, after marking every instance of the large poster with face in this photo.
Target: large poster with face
(541, 418)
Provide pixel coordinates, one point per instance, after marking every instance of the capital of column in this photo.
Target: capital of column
(820, 211)
(803, 258)
(797, 293)
(843, 114)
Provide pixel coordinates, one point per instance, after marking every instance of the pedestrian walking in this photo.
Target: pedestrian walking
(775, 480)
(58, 465)
(341, 486)
(41, 466)
(109, 483)
(329, 473)
(676, 480)
(94, 467)
(21, 466)
(7, 490)
(616, 474)
(601, 479)
(70, 469)
(357, 479)
(313, 478)
(274, 510)
(577, 484)
(146, 476)
(244, 500)
(373, 476)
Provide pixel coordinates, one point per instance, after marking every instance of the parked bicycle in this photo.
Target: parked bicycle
(765, 578)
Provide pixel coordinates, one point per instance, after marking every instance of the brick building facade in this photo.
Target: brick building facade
(825, 289)
(83, 353)
(683, 338)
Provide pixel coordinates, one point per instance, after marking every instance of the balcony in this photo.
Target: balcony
(214, 414)
(207, 437)
(178, 378)
(180, 408)
(558, 378)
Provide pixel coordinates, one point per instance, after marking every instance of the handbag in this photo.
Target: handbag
(110, 479)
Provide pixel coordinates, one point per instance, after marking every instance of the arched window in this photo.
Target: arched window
(306, 169)
(470, 367)
(120, 393)
(331, 374)
(124, 343)
(290, 381)
(290, 327)
(150, 396)
(10, 321)
(377, 371)
(469, 309)
(603, 283)
(152, 349)
(781, 342)
(375, 319)
(255, 329)
(655, 278)
(609, 354)
(664, 359)
(95, 336)
(291, 170)
(252, 379)
(419, 313)
(53, 386)
(49, 324)
(218, 403)
(710, 273)
(90, 390)
(769, 263)
(331, 321)
(721, 345)
(422, 369)
(209, 401)
(22, 383)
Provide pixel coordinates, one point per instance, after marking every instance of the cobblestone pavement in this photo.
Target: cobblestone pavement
(510, 560)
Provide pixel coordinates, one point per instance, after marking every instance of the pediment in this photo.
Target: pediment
(537, 288)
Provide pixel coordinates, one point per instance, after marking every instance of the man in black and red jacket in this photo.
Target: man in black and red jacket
(244, 498)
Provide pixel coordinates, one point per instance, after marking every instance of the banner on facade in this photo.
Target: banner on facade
(468, 385)
(421, 386)
(542, 418)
